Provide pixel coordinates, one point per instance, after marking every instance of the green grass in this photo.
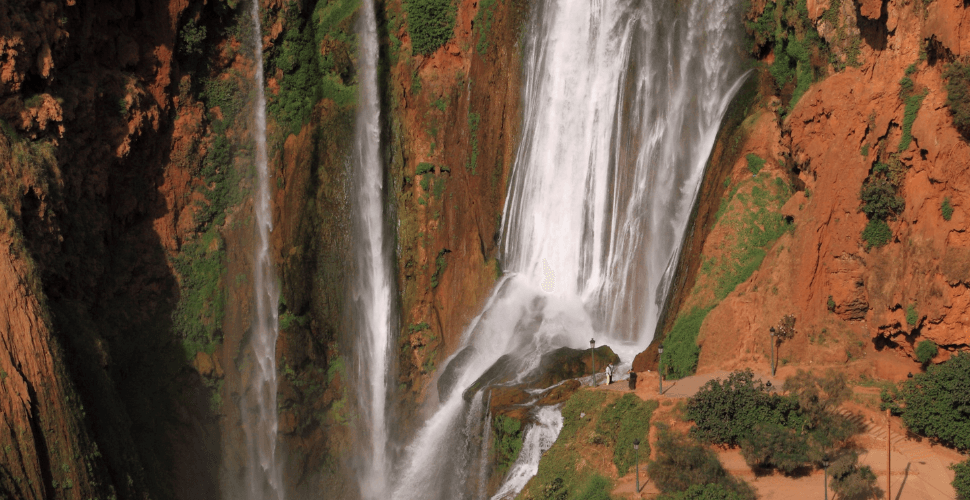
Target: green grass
(624, 420)
(201, 307)
(911, 315)
(474, 119)
(559, 475)
(876, 234)
(680, 347)
(506, 443)
(913, 103)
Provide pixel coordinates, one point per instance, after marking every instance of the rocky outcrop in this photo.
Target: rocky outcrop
(849, 298)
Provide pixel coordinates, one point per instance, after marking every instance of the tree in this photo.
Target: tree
(817, 395)
(961, 483)
(852, 482)
(937, 403)
(682, 463)
(776, 446)
(725, 412)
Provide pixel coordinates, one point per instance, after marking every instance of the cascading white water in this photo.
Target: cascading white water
(263, 473)
(622, 104)
(372, 292)
(539, 437)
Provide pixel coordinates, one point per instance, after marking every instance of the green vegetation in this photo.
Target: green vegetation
(474, 119)
(785, 29)
(201, 307)
(683, 464)
(946, 209)
(483, 22)
(865, 150)
(431, 23)
(880, 201)
(712, 491)
(957, 76)
(440, 264)
(507, 442)
(624, 420)
(830, 304)
(913, 103)
(911, 315)
(192, 36)
(755, 163)
(774, 431)
(936, 403)
(926, 350)
(851, 481)
(680, 346)
(961, 483)
(876, 234)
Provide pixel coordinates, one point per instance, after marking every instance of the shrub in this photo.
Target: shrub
(193, 37)
(925, 351)
(817, 395)
(597, 488)
(957, 76)
(431, 23)
(507, 442)
(876, 234)
(961, 483)
(913, 103)
(682, 463)
(879, 199)
(911, 315)
(830, 304)
(937, 403)
(704, 492)
(755, 163)
(946, 209)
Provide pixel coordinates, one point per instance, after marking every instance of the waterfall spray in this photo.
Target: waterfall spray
(622, 102)
(263, 473)
(372, 292)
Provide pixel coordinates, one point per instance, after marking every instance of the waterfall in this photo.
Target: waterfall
(372, 290)
(622, 102)
(263, 474)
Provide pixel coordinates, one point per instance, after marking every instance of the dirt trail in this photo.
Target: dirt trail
(920, 469)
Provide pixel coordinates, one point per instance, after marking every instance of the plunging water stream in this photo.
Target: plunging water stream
(622, 104)
(263, 474)
(372, 290)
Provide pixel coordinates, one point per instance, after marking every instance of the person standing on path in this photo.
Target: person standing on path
(609, 374)
(633, 380)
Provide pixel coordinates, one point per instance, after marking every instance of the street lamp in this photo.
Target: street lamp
(636, 453)
(772, 351)
(592, 354)
(660, 373)
(825, 476)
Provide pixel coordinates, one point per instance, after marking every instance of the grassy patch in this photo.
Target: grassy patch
(624, 420)
(201, 307)
(946, 209)
(483, 21)
(911, 315)
(507, 442)
(474, 119)
(755, 163)
(913, 103)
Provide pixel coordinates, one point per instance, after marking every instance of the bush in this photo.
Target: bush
(431, 23)
(946, 209)
(957, 76)
(755, 163)
(830, 304)
(937, 403)
(683, 463)
(507, 442)
(704, 492)
(876, 234)
(961, 483)
(911, 315)
(879, 199)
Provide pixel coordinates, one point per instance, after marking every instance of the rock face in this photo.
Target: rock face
(848, 299)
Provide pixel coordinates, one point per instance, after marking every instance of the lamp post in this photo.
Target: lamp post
(660, 373)
(772, 351)
(825, 476)
(592, 354)
(636, 453)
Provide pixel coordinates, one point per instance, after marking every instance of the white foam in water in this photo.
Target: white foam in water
(539, 437)
(622, 102)
(262, 473)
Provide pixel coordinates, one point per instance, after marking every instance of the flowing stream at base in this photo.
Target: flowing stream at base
(263, 473)
(372, 292)
(622, 102)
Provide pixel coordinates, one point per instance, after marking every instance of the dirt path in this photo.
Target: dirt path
(920, 469)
